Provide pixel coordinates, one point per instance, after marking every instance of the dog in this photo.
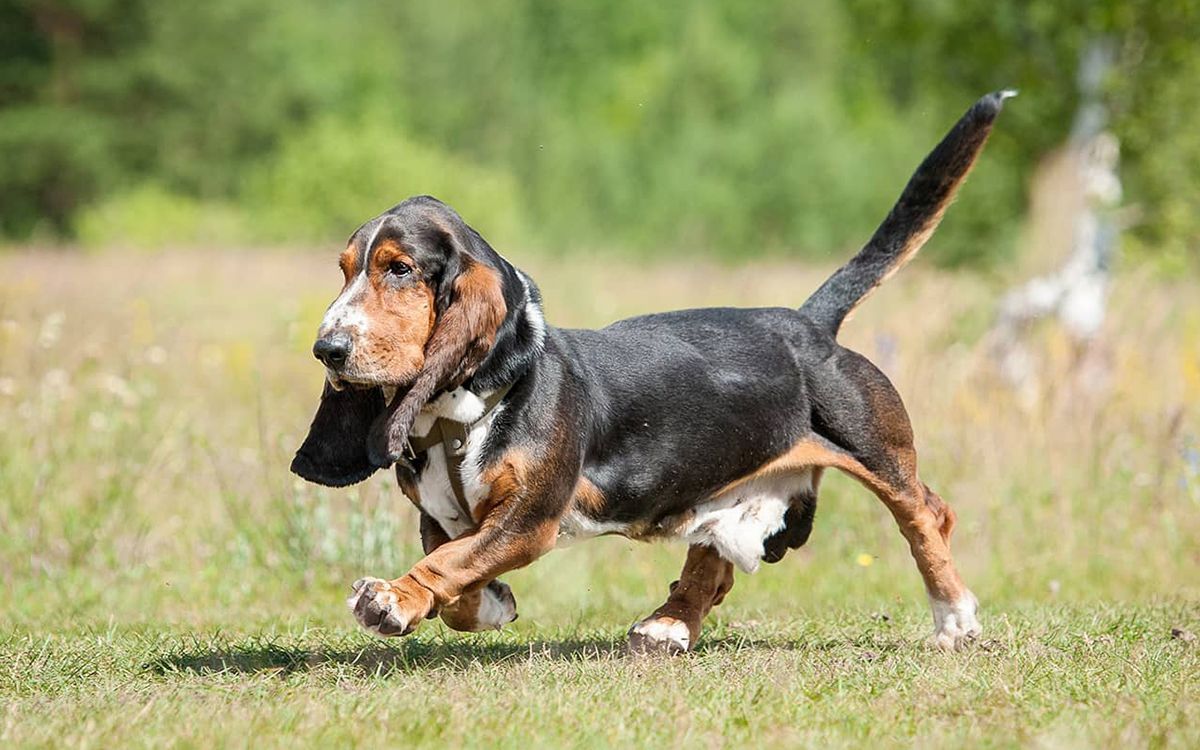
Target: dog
(712, 426)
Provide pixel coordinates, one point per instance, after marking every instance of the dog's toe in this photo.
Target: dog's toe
(376, 605)
(956, 625)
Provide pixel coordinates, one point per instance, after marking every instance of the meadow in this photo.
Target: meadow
(164, 581)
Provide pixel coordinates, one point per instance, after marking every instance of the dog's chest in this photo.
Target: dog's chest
(435, 492)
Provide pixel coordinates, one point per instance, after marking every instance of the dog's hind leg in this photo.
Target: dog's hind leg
(867, 423)
(675, 626)
(926, 522)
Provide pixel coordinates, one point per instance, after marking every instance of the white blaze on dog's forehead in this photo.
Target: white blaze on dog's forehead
(346, 311)
(371, 242)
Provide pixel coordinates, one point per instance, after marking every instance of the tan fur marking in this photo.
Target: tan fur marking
(506, 477)
(463, 565)
(943, 512)
(587, 497)
(463, 614)
(408, 487)
(917, 240)
(478, 309)
(805, 454)
(702, 585)
(402, 319)
(348, 262)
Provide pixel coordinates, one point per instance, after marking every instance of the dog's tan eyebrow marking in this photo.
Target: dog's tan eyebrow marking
(347, 261)
(390, 250)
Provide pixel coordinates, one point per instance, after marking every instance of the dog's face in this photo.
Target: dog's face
(422, 302)
(376, 330)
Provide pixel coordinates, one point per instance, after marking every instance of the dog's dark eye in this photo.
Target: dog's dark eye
(399, 268)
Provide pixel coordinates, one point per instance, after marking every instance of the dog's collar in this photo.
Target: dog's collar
(452, 435)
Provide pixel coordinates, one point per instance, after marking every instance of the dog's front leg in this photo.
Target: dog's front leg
(488, 608)
(515, 532)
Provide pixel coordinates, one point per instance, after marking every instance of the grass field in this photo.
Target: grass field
(164, 581)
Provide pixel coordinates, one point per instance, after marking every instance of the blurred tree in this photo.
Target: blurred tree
(726, 127)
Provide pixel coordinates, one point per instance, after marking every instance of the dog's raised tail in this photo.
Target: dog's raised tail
(911, 221)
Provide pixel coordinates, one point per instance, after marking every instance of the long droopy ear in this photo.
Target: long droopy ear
(462, 337)
(335, 452)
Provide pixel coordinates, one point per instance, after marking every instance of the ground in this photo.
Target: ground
(164, 581)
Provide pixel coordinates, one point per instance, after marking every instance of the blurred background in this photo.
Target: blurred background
(729, 128)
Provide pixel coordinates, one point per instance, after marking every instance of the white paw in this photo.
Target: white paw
(497, 607)
(659, 635)
(376, 607)
(954, 623)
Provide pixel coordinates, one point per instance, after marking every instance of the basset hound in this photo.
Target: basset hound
(712, 426)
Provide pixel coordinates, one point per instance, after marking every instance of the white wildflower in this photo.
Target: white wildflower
(52, 328)
(56, 383)
(116, 385)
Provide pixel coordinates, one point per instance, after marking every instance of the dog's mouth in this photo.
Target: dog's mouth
(335, 380)
(341, 380)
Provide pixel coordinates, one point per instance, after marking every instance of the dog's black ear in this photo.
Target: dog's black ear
(335, 452)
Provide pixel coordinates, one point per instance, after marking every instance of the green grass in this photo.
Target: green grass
(1079, 676)
(165, 581)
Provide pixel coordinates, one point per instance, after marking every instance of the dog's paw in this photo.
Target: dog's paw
(489, 608)
(498, 606)
(955, 623)
(380, 608)
(659, 635)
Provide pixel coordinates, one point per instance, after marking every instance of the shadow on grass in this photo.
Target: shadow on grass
(405, 656)
(410, 656)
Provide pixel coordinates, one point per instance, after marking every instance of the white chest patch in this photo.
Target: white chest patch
(433, 485)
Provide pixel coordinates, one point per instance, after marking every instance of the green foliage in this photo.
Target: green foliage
(149, 217)
(318, 185)
(726, 127)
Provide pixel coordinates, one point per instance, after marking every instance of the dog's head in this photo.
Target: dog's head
(425, 303)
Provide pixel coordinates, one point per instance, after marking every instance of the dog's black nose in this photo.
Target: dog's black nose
(332, 349)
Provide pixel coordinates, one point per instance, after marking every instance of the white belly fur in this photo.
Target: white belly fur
(736, 523)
